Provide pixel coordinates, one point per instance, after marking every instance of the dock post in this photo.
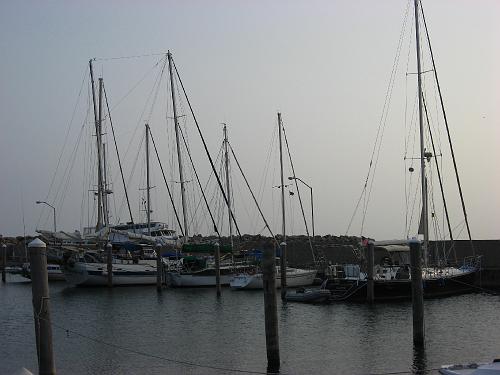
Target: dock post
(370, 291)
(217, 268)
(270, 308)
(109, 257)
(159, 268)
(4, 262)
(283, 270)
(41, 306)
(417, 292)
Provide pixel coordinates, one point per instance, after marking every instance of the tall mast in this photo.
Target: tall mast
(228, 185)
(283, 244)
(105, 189)
(422, 146)
(283, 226)
(177, 140)
(97, 131)
(148, 188)
(100, 157)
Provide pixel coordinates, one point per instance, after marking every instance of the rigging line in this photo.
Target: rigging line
(253, 196)
(69, 170)
(384, 116)
(127, 57)
(382, 122)
(206, 149)
(65, 139)
(158, 84)
(205, 188)
(447, 129)
(132, 172)
(263, 179)
(139, 120)
(118, 156)
(298, 192)
(199, 182)
(144, 354)
(166, 184)
(438, 173)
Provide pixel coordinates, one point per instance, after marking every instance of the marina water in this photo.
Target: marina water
(132, 330)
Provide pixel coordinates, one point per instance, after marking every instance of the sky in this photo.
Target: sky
(325, 65)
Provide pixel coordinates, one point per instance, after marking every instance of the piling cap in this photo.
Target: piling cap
(283, 243)
(216, 244)
(4, 245)
(109, 244)
(413, 241)
(37, 243)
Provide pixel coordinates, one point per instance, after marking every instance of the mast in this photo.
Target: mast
(228, 188)
(148, 188)
(105, 187)
(96, 120)
(283, 244)
(101, 171)
(177, 140)
(422, 146)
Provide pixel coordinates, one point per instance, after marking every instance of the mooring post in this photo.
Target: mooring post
(159, 268)
(4, 262)
(41, 306)
(270, 308)
(109, 257)
(370, 291)
(417, 292)
(217, 268)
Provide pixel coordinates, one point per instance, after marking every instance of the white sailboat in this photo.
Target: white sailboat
(85, 268)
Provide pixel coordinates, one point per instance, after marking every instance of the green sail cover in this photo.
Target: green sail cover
(207, 248)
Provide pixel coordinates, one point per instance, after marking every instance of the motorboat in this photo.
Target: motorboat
(472, 369)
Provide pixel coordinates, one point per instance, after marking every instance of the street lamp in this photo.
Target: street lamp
(53, 208)
(312, 201)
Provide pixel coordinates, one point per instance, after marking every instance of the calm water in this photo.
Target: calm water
(191, 325)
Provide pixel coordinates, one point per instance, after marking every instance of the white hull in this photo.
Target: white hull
(95, 274)
(295, 277)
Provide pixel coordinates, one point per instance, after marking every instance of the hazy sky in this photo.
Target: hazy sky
(324, 64)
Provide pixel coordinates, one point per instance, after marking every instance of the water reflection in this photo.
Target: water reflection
(419, 360)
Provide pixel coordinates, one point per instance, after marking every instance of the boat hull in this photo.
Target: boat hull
(95, 274)
(387, 290)
(295, 278)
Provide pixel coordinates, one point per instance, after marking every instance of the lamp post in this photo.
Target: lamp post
(53, 208)
(312, 201)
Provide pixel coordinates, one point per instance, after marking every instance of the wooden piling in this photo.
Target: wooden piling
(4, 262)
(217, 268)
(370, 255)
(417, 292)
(159, 268)
(271, 311)
(41, 306)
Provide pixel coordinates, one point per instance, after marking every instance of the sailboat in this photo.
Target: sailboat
(392, 277)
(293, 277)
(91, 268)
